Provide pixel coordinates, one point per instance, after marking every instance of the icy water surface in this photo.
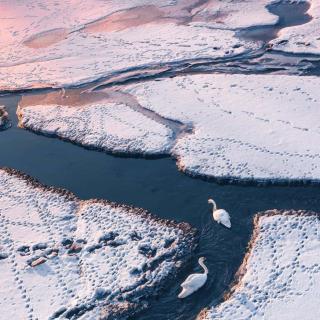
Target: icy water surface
(157, 186)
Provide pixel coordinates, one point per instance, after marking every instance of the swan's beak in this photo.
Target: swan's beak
(183, 294)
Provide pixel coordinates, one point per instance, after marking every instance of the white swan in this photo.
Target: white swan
(220, 215)
(194, 281)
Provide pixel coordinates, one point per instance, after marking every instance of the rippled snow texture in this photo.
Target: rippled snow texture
(281, 277)
(84, 257)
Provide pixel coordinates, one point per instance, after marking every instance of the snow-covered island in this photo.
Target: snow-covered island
(280, 275)
(61, 257)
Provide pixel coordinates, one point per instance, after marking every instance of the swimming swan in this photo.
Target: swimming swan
(220, 215)
(194, 281)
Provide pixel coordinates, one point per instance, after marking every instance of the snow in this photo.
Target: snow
(20, 20)
(280, 276)
(84, 57)
(230, 127)
(108, 126)
(74, 14)
(87, 258)
(246, 127)
(303, 39)
(229, 14)
(49, 49)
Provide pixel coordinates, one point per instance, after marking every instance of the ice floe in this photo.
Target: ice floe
(302, 39)
(87, 258)
(280, 275)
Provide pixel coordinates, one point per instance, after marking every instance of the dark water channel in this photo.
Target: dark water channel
(157, 186)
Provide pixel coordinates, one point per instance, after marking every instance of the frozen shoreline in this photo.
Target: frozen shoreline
(71, 62)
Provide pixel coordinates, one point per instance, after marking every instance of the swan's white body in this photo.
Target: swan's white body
(220, 215)
(194, 281)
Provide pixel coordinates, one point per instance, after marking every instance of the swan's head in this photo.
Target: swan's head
(213, 203)
(202, 259)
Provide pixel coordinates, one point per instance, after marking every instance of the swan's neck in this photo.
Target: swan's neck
(203, 266)
(214, 204)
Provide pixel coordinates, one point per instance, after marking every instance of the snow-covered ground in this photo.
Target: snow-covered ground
(73, 42)
(101, 124)
(303, 39)
(229, 14)
(21, 20)
(280, 276)
(261, 127)
(245, 127)
(84, 57)
(61, 257)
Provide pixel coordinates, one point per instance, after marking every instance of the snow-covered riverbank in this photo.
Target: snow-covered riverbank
(280, 276)
(85, 257)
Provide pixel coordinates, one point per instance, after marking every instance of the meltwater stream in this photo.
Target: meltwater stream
(158, 186)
